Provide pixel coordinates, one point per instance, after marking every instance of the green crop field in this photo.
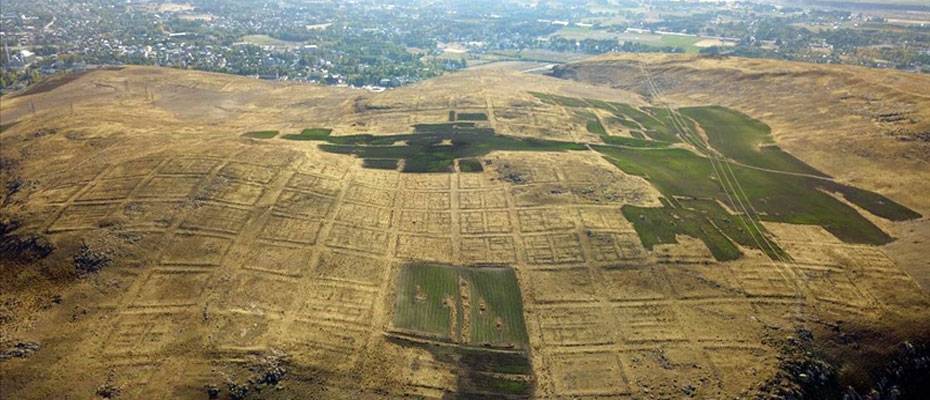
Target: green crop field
(427, 293)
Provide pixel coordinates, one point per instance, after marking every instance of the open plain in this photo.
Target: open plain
(632, 227)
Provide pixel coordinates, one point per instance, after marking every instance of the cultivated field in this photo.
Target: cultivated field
(488, 234)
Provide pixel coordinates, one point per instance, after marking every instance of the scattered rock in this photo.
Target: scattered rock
(88, 261)
(22, 248)
(19, 350)
(509, 174)
(237, 391)
(44, 132)
(213, 392)
(109, 390)
(689, 390)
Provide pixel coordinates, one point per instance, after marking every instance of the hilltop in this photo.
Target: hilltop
(629, 227)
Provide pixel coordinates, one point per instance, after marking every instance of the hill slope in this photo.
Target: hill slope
(176, 234)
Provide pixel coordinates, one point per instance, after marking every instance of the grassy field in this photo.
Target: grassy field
(310, 134)
(498, 318)
(379, 163)
(260, 134)
(483, 374)
(686, 43)
(653, 122)
(423, 297)
(539, 55)
(265, 40)
(776, 197)
(743, 139)
(430, 301)
(470, 165)
(703, 219)
(477, 116)
(594, 126)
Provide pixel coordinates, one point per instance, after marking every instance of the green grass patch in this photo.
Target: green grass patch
(685, 43)
(379, 163)
(477, 116)
(594, 126)
(628, 123)
(656, 123)
(660, 125)
(776, 197)
(260, 134)
(500, 384)
(428, 293)
(424, 295)
(873, 202)
(702, 219)
(311, 134)
(441, 127)
(498, 362)
(633, 142)
(434, 147)
(557, 100)
(744, 139)
(483, 374)
(470, 165)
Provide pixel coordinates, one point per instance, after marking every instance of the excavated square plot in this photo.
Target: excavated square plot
(588, 374)
(290, 229)
(315, 184)
(217, 218)
(488, 249)
(364, 240)
(426, 222)
(248, 172)
(170, 187)
(364, 215)
(110, 189)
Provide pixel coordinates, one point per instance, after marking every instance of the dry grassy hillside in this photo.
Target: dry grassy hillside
(174, 234)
